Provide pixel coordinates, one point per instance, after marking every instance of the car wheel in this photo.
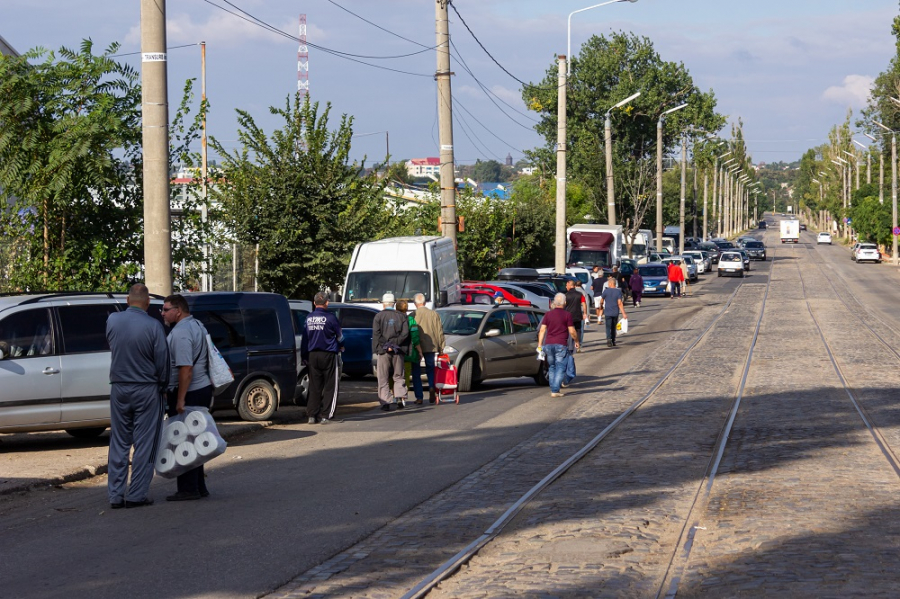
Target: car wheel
(742, 274)
(467, 374)
(86, 433)
(257, 401)
(719, 273)
(301, 396)
(542, 378)
(356, 376)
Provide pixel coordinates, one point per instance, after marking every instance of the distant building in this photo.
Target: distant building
(422, 167)
(528, 170)
(509, 160)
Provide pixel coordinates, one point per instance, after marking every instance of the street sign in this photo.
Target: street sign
(848, 220)
(896, 230)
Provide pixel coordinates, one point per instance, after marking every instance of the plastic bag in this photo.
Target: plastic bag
(622, 326)
(188, 440)
(219, 372)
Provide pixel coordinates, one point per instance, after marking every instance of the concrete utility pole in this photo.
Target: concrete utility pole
(155, 117)
(681, 204)
(560, 261)
(659, 175)
(705, 199)
(445, 119)
(204, 172)
(894, 198)
(694, 197)
(610, 187)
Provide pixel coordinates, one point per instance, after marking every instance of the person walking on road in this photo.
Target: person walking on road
(676, 277)
(613, 307)
(431, 338)
(597, 286)
(637, 288)
(412, 368)
(189, 383)
(557, 328)
(577, 307)
(390, 343)
(138, 374)
(685, 278)
(320, 350)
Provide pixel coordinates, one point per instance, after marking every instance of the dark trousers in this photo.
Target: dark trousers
(636, 296)
(611, 322)
(135, 418)
(324, 382)
(192, 481)
(676, 289)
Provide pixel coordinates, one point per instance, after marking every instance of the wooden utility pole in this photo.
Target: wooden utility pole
(560, 261)
(445, 122)
(155, 117)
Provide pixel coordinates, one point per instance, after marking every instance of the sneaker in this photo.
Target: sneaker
(311, 421)
(556, 395)
(401, 403)
(564, 385)
(141, 503)
(419, 402)
(386, 407)
(117, 505)
(324, 421)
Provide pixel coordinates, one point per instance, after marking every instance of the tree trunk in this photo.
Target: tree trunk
(46, 244)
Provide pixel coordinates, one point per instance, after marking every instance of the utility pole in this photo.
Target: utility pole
(659, 184)
(204, 172)
(560, 255)
(445, 119)
(155, 133)
(705, 196)
(610, 190)
(694, 197)
(894, 198)
(681, 205)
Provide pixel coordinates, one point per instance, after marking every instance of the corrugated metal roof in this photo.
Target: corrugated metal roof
(5, 48)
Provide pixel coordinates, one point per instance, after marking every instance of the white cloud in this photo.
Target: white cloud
(854, 91)
(222, 28)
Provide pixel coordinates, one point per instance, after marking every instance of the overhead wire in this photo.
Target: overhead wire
(462, 125)
(461, 105)
(365, 20)
(167, 49)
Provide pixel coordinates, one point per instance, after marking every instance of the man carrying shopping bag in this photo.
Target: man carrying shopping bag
(613, 307)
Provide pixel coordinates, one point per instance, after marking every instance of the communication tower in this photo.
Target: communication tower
(303, 60)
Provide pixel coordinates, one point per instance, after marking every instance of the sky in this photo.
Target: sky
(790, 69)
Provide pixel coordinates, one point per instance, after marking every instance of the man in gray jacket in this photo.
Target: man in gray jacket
(138, 374)
(431, 338)
(390, 343)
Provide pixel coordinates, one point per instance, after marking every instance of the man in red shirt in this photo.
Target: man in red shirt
(676, 278)
(556, 329)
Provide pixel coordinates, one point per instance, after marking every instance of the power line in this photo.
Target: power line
(345, 55)
(167, 49)
(485, 128)
(484, 153)
(378, 26)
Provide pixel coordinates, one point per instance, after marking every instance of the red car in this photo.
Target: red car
(493, 289)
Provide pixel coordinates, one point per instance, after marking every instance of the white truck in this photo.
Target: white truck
(594, 245)
(403, 266)
(641, 246)
(790, 231)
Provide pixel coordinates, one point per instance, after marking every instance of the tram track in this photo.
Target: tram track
(452, 565)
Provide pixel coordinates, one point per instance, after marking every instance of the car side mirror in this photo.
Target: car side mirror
(492, 333)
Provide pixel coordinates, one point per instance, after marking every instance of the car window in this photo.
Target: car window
(653, 271)
(299, 318)
(261, 326)
(513, 292)
(224, 325)
(27, 333)
(499, 320)
(868, 246)
(460, 322)
(354, 318)
(84, 327)
(535, 319)
(522, 323)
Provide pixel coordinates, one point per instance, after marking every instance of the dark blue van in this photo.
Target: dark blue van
(255, 335)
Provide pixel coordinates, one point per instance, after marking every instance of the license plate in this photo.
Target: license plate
(729, 270)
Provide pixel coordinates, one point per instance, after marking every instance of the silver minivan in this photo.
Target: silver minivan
(54, 361)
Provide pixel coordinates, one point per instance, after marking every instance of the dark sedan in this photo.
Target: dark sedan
(756, 250)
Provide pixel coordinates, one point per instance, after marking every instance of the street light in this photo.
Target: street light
(868, 163)
(659, 162)
(880, 170)
(893, 191)
(610, 192)
(569, 37)
(852, 155)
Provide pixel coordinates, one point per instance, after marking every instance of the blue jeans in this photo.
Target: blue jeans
(611, 323)
(556, 364)
(429, 367)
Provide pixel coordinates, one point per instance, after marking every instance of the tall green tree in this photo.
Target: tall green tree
(70, 166)
(295, 193)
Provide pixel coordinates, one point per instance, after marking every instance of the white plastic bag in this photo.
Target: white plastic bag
(188, 440)
(622, 326)
(219, 373)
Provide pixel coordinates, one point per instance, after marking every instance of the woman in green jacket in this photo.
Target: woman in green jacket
(412, 361)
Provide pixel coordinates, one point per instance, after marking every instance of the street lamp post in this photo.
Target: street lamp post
(610, 189)
(569, 36)
(880, 171)
(681, 232)
(720, 227)
(896, 258)
(659, 171)
(868, 163)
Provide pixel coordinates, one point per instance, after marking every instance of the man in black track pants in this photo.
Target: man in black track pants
(320, 350)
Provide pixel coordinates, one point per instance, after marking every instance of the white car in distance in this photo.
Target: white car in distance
(823, 237)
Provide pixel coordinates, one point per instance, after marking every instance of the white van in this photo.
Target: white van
(403, 266)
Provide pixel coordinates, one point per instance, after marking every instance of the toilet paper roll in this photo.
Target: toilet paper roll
(165, 461)
(176, 433)
(206, 444)
(185, 454)
(195, 422)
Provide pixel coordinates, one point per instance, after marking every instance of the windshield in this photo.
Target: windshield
(725, 244)
(731, 258)
(582, 276)
(868, 246)
(653, 271)
(370, 286)
(460, 322)
(589, 258)
(754, 244)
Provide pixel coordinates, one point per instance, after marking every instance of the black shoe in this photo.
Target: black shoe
(401, 403)
(613, 343)
(117, 505)
(204, 493)
(183, 496)
(386, 407)
(609, 343)
(141, 503)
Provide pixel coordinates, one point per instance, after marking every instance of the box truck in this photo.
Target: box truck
(790, 231)
(594, 245)
(403, 266)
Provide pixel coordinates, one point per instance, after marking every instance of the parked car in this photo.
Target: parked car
(756, 250)
(537, 295)
(803, 226)
(823, 237)
(490, 342)
(469, 297)
(712, 249)
(867, 252)
(763, 224)
(701, 260)
(731, 263)
(745, 256)
(660, 256)
(742, 240)
(691, 267)
(255, 334)
(54, 361)
(656, 278)
(509, 296)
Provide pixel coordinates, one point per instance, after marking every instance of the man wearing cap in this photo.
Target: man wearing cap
(390, 343)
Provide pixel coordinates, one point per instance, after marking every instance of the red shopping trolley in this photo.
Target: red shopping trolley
(446, 380)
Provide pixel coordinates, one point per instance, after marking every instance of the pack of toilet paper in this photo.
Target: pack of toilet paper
(188, 440)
